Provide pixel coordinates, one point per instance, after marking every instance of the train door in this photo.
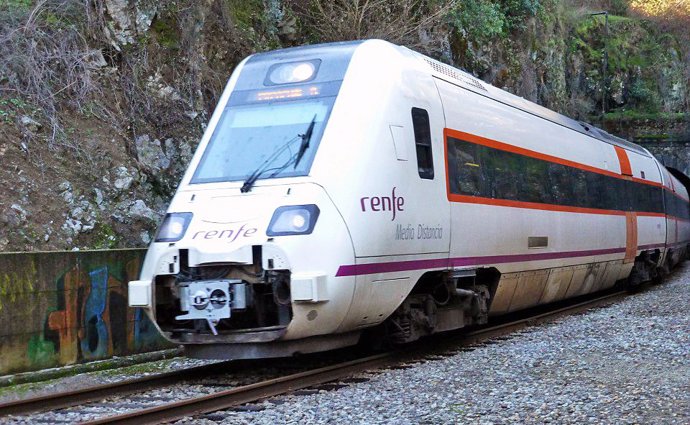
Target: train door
(414, 236)
(401, 210)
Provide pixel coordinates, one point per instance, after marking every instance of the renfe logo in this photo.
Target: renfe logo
(228, 234)
(383, 203)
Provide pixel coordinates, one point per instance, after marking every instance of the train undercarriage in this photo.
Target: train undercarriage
(446, 301)
(441, 302)
(215, 307)
(230, 303)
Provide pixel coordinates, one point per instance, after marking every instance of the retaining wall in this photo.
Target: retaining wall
(60, 308)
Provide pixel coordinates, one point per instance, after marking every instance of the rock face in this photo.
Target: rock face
(123, 179)
(675, 155)
(139, 211)
(151, 154)
(128, 19)
(128, 98)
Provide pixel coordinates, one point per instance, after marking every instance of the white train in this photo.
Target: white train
(348, 185)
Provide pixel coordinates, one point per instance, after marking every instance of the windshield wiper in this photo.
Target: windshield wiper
(306, 137)
(261, 169)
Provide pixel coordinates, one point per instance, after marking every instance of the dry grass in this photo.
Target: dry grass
(404, 22)
(45, 58)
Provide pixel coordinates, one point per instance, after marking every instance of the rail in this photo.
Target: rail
(273, 387)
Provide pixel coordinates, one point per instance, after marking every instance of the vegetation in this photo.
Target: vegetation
(45, 57)
(397, 21)
(632, 115)
(81, 82)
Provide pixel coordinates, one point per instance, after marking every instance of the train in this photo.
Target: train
(361, 188)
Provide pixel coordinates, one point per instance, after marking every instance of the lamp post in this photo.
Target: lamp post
(606, 60)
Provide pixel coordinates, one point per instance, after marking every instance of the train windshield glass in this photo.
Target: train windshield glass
(264, 139)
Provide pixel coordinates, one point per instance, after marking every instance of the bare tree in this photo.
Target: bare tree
(45, 58)
(402, 22)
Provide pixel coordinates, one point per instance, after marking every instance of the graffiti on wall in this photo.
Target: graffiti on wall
(17, 285)
(91, 319)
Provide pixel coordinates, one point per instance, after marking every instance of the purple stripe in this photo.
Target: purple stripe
(675, 245)
(399, 266)
(651, 246)
(519, 258)
(396, 266)
(661, 245)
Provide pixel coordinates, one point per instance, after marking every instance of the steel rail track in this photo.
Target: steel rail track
(285, 384)
(272, 387)
(85, 395)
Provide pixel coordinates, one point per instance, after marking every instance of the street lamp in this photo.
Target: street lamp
(606, 60)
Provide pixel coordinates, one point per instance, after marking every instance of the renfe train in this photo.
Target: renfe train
(350, 186)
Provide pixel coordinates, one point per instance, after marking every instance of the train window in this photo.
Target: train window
(579, 186)
(656, 198)
(466, 169)
(641, 196)
(505, 173)
(670, 204)
(675, 206)
(561, 184)
(245, 142)
(422, 137)
(535, 185)
(478, 170)
(618, 191)
(596, 192)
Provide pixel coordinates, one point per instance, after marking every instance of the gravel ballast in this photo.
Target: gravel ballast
(626, 363)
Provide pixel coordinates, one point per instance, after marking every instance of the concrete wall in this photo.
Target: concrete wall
(59, 308)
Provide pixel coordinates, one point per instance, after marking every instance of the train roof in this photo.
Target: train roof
(341, 52)
(469, 82)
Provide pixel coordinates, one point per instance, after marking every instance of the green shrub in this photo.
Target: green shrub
(517, 11)
(478, 19)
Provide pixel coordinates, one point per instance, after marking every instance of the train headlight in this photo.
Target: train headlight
(174, 227)
(293, 220)
(293, 72)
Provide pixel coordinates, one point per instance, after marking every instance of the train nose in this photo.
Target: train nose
(246, 268)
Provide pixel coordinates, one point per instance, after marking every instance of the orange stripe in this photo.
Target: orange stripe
(672, 186)
(678, 195)
(677, 218)
(530, 205)
(650, 214)
(445, 152)
(472, 138)
(630, 237)
(643, 181)
(467, 199)
(468, 137)
(626, 170)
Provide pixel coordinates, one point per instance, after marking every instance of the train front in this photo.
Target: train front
(243, 263)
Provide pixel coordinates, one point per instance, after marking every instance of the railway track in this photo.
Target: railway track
(174, 408)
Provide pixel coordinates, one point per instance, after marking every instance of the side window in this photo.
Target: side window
(422, 138)
(535, 185)
(506, 169)
(579, 179)
(464, 168)
(561, 184)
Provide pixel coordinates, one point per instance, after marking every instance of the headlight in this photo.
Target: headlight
(174, 227)
(293, 220)
(292, 72)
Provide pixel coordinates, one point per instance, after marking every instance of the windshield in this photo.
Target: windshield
(252, 136)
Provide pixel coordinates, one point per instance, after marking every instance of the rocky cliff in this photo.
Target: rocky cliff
(102, 102)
